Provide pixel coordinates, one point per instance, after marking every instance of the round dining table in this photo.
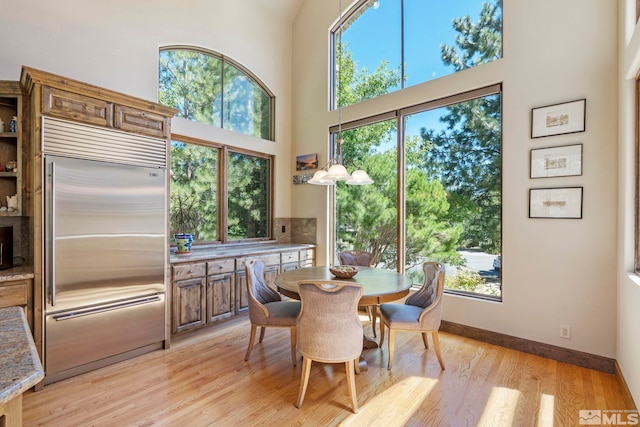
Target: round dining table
(378, 285)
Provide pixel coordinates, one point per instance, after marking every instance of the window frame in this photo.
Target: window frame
(251, 76)
(352, 14)
(399, 114)
(222, 199)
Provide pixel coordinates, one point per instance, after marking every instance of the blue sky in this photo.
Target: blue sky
(428, 24)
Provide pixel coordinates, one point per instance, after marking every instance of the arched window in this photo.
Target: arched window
(210, 88)
(401, 43)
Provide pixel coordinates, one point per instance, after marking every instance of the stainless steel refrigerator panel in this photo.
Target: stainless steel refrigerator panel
(78, 337)
(105, 232)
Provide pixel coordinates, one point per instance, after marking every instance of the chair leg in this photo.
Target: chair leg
(425, 340)
(372, 316)
(262, 329)
(436, 347)
(306, 369)
(351, 383)
(293, 345)
(392, 338)
(381, 332)
(252, 336)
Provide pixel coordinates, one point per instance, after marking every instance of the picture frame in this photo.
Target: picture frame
(564, 160)
(558, 119)
(307, 162)
(560, 202)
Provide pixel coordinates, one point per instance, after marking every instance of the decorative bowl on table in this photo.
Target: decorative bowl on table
(343, 271)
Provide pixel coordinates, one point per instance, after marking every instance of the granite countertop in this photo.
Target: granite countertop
(20, 368)
(16, 273)
(213, 252)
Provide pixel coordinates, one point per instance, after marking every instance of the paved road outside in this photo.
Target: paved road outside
(481, 262)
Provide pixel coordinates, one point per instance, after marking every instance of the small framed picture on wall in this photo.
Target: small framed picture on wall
(550, 162)
(565, 202)
(558, 119)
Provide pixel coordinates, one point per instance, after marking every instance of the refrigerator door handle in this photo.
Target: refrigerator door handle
(105, 308)
(52, 264)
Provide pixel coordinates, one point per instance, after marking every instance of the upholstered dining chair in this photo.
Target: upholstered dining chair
(421, 312)
(364, 259)
(329, 330)
(354, 257)
(266, 308)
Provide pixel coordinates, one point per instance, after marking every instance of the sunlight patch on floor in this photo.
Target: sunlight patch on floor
(500, 408)
(546, 412)
(393, 407)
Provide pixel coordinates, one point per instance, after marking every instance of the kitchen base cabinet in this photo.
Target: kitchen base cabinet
(188, 304)
(219, 297)
(18, 293)
(215, 289)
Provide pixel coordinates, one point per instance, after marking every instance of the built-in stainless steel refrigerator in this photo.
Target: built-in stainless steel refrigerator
(105, 259)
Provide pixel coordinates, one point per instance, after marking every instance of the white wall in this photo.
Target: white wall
(114, 44)
(554, 271)
(628, 337)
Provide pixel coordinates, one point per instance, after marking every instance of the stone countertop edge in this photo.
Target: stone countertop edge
(16, 273)
(20, 368)
(208, 253)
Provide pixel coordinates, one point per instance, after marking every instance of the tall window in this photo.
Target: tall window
(212, 89)
(214, 209)
(194, 190)
(249, 197)
(406, 42)
(448, 167)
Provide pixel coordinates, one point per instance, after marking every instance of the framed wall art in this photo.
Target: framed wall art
(558, 119)
(563, 202)
(550, 162)
(307, 162)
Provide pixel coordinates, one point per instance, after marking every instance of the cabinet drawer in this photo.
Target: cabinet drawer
(77, 107)
(144, 122)
(290, 257)
(15, 294)
(220, 266)
(269, 259)
(307, 254)
(188, 271)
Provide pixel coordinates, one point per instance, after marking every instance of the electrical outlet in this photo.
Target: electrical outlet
(283, 228)
(565, 331)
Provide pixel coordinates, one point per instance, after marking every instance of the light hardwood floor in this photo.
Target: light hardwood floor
(202, 380)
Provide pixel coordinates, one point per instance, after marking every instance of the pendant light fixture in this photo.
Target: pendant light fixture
(335, 170)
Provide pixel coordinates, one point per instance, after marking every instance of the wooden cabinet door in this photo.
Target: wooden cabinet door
(188, 304)
(77, 107)
(219, 297)
(144, 122)
(242, 296)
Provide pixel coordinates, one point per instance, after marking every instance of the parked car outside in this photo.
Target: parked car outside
(497, 261)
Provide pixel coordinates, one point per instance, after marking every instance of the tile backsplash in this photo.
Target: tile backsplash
(296, 230)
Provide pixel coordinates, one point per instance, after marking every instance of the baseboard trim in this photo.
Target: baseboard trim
(624, 387)
(561, 354)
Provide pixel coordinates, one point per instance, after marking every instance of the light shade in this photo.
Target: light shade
(337, 173)
(318, 178)
(359, 177)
